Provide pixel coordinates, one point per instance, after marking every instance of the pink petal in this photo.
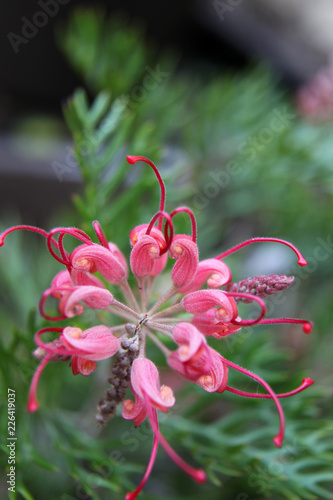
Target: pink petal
(146, 259)
(214, 271)
(217, 378)
(143, 255)
(134, 410)
(85, 366)
(61, 280)
(98, 341)
(186, 253)
(203, 300)
(192, 358)
(187, 334)
(93, 258)
(119, 255)
(145, 380)
(81, 278)
(207, 324)
(92, 296)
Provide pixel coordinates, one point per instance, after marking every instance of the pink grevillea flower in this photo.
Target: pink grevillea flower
(149, 397)
(192, 358)
(84, 347)
(200, 302)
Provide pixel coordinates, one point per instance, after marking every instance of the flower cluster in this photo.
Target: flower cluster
(201, 302)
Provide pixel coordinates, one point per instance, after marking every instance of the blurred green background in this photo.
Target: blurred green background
(233, 147)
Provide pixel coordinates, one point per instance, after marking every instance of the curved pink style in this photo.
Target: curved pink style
(193, 221)
(306, 382)
(307, 325)
(300, 259)
(134, 159)
(278, 439)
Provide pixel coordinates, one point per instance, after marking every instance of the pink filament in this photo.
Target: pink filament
(305, 384)
(16, 228)
(134, 159)
(301, 260)
(154, 425)
(32, 399)
(279, 437)
(193, 221)
(100, 234)
(248, 322)
(42, 301)
(28, 228)
(168, 238)
(134, 494)
(307, 325)
(62, 250)
(77, 233)
(198, 475)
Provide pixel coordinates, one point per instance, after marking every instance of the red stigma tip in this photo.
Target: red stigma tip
(32, 406)
(131, 160)
(308, 381)
(200, 476)
(307, 327)
(130, 496)
(277, 440)
(302, 262)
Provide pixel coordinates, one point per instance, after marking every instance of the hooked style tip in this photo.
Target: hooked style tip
(307, 381)
(277, 440)
(32, 405)
(131, 160)
(307, 327)
(301, 261)
(130, 496)
(200, 476)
